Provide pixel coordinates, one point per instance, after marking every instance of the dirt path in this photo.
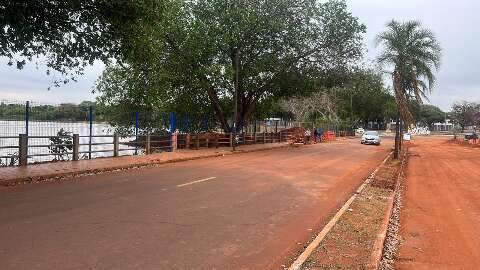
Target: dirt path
(246, 211)
(441, 211)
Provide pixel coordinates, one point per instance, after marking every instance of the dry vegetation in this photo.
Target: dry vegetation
(349, 244)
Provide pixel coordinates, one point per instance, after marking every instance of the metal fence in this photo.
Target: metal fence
(49, 129)
(58, 132)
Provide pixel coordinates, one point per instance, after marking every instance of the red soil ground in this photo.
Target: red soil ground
(441, 207)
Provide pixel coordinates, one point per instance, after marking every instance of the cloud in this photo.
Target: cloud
(455, 24)
(32, 83)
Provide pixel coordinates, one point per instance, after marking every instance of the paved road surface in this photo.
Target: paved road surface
(441, 211)
(247, 211)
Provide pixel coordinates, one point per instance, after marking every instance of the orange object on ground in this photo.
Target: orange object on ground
(330, 136)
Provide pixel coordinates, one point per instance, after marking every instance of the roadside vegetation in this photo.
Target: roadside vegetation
(185, 56)
(411, 54)
(351, 242)
(60, 112)
(217, 60)
(466, 114)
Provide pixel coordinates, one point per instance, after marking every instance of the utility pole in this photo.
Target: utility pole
(235, 97)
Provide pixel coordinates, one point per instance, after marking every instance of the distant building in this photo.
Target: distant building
(443, 126)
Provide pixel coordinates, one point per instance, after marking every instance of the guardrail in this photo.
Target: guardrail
(75, 147)
(71, 145)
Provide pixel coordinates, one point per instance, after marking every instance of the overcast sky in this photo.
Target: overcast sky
(454, 22)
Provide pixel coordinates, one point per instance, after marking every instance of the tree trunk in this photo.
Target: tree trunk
(212, 94)
(397, 138)
(245, 101)
(401, 137)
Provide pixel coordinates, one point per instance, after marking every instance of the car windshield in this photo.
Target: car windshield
(373, 133)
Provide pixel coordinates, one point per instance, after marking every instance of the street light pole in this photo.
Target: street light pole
(235, 97)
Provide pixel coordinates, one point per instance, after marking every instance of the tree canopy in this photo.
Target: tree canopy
(361, 98)
(67, 35)
(414, 54)
(430, 114)
(189, 49)
(465, 113)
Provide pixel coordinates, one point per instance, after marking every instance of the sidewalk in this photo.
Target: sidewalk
(38, 172)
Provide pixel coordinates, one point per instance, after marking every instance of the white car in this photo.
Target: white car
(360, 131)
(371, 137)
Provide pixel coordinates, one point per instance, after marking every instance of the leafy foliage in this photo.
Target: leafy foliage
(61, 112)
(186, 52)
(414, 53)
(67, 35)
(362, 98)
(430, 114)
(466, 113)
(125, 92)
(60, 145)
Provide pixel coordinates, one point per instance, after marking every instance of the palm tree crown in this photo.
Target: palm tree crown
(414, 53)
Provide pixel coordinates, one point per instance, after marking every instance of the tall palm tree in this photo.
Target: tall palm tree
(412, 54)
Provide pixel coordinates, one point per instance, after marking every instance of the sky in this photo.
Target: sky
(455, 24)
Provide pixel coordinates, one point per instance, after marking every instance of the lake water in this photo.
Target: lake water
(14, 128)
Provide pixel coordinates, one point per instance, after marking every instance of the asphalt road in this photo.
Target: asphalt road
(246, 211)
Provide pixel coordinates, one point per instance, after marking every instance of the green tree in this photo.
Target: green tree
(284, 48)
(125, 91)
(414, 53)
(364, 98)
(430, 114)
(68, 34)
(464, 113)
(61, 145)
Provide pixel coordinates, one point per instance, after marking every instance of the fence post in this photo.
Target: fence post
(197, 141)
(187, 141)
(76, 147)
(216, 140)
(90, 119)
(27, 117)
(231, 139)
(174, 141)
(115, 145)
(244, 138)
(23, 149)
(136, 133)
(264, 137)
(147, 145)
(254, 137)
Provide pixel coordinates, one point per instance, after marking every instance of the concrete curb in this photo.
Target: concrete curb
(381, 236)
(379, 244)
(151, 163)
(297, 264)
